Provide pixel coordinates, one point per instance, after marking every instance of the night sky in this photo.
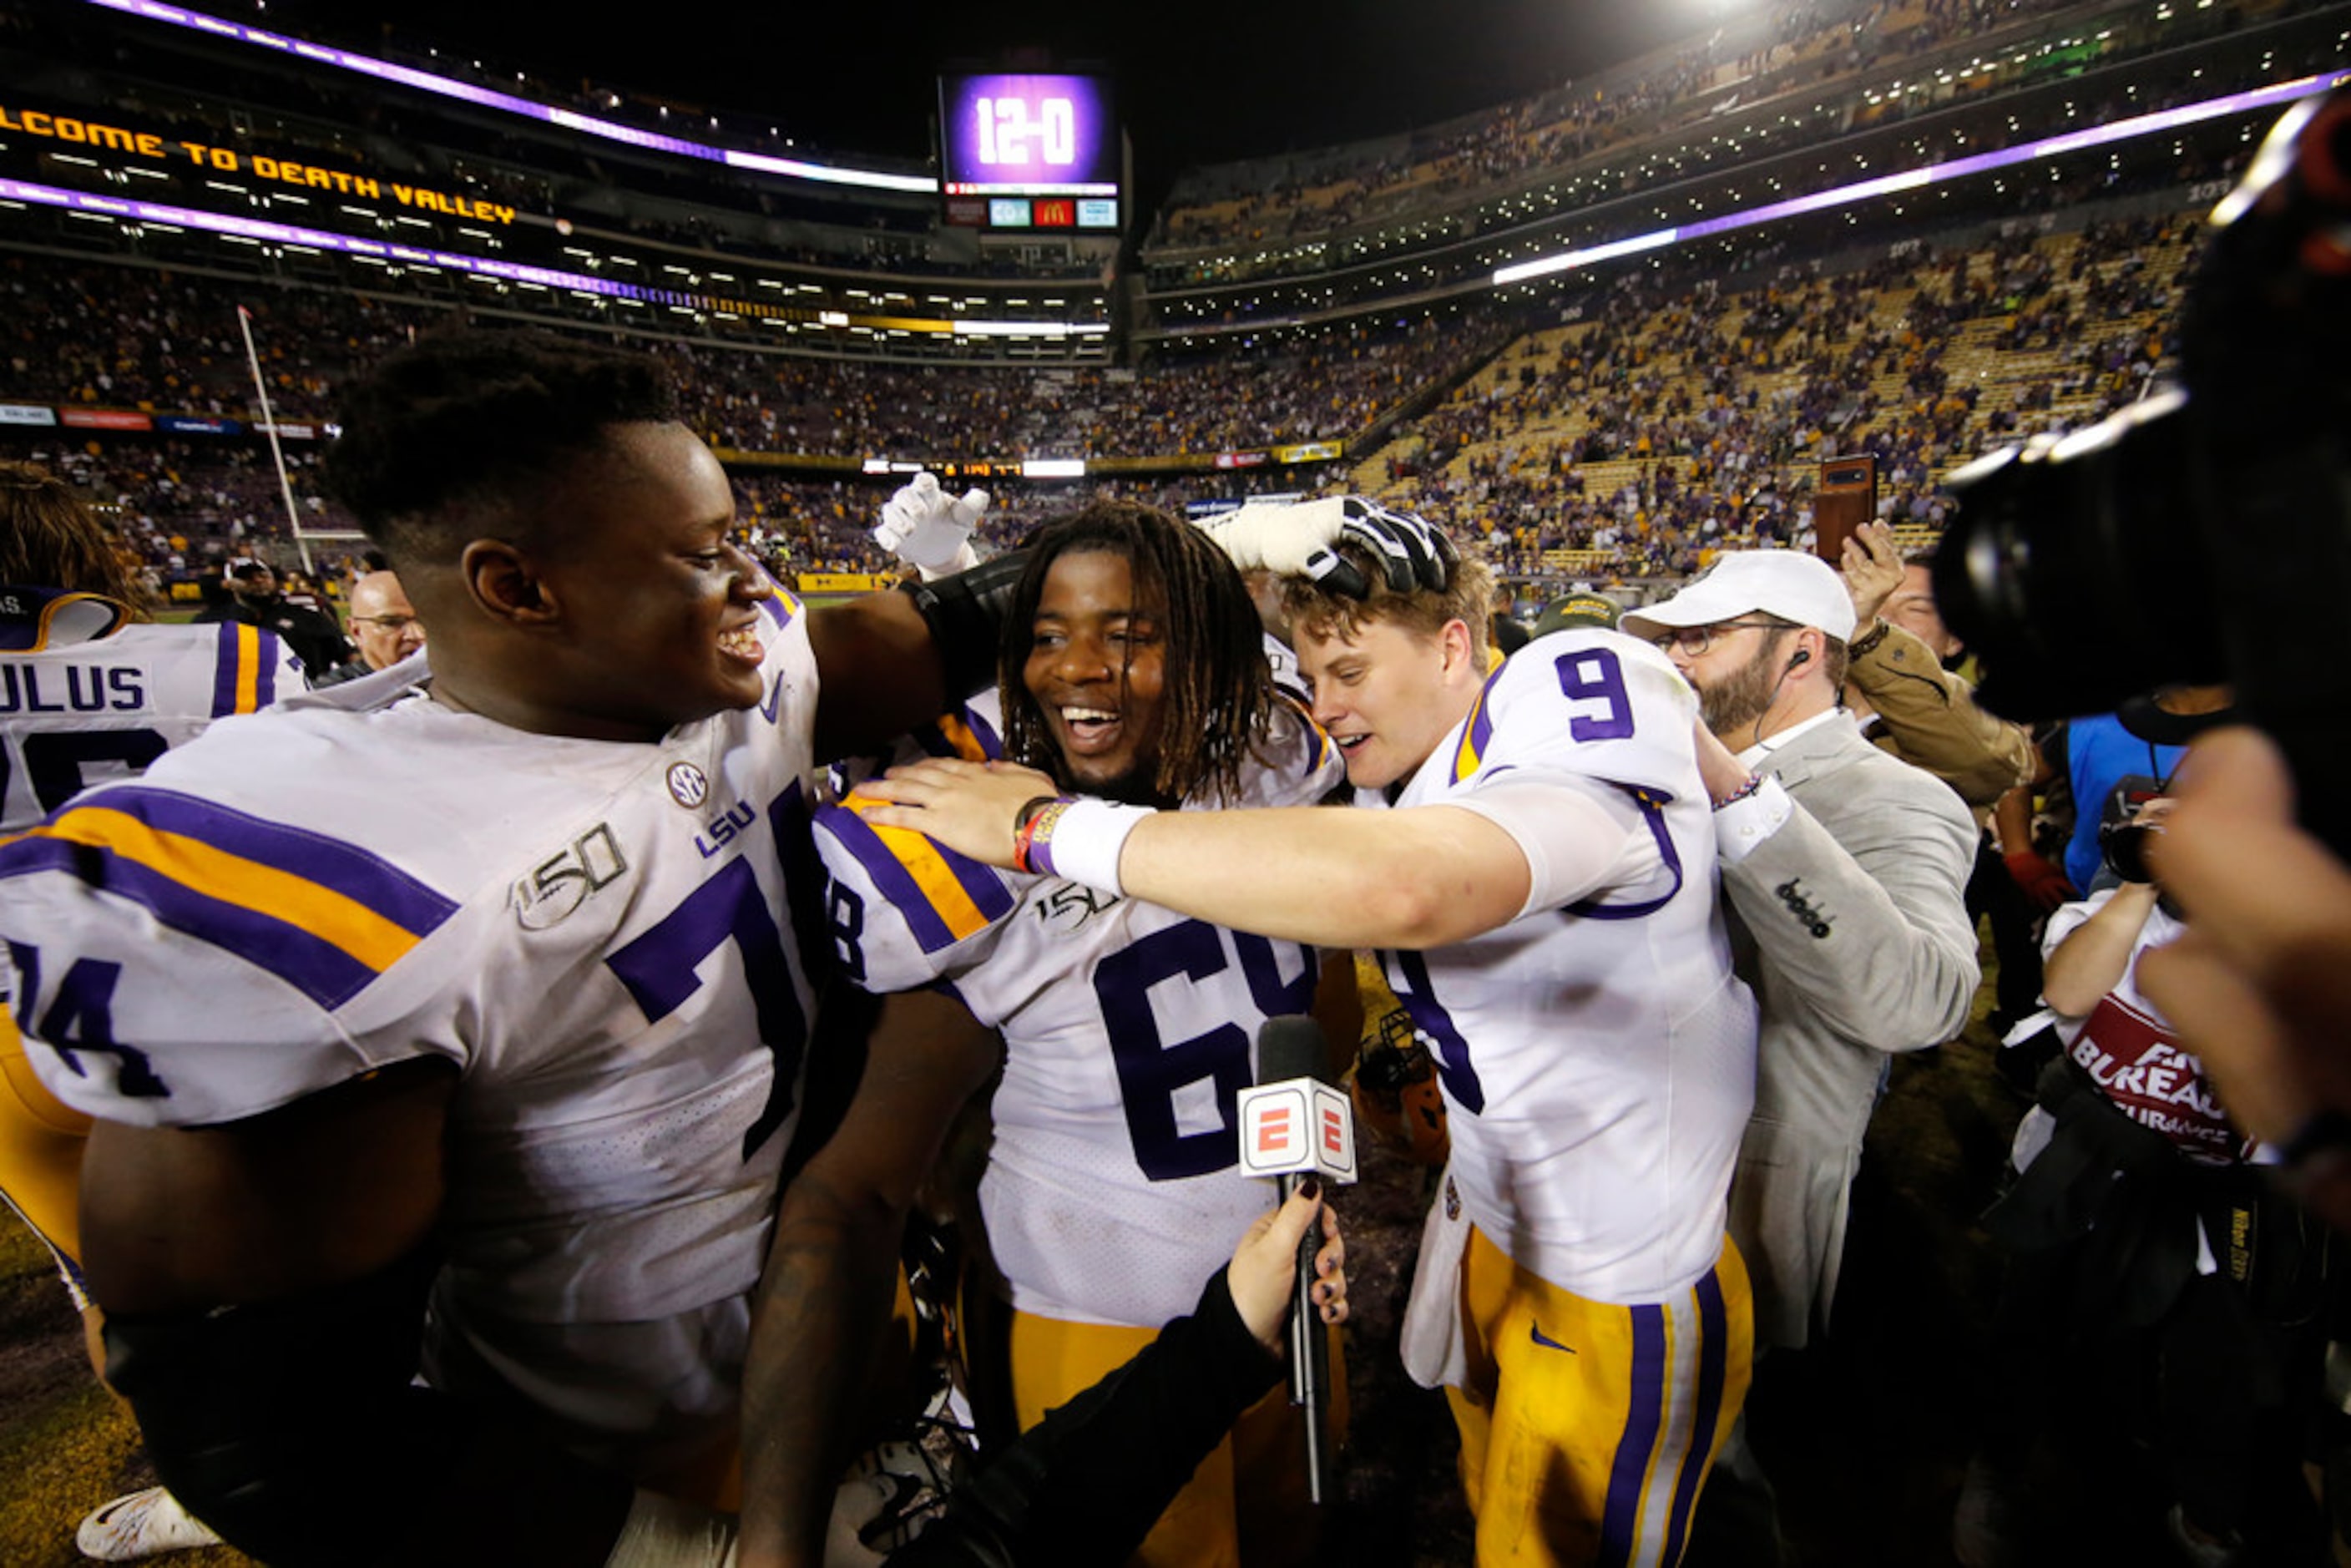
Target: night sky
(1199, 80)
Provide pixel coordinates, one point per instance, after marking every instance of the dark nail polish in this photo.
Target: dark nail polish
(1308, 1188)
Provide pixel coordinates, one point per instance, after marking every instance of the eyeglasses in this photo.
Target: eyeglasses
(389, 623)
(1692, 642)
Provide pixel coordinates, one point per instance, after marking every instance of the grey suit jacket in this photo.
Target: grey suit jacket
(1851, 924)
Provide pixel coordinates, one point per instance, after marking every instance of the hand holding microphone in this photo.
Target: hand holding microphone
(1263, 1275)
(1297, 1129)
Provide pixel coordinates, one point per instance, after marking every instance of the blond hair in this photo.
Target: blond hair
(1314, 611)
(49, 539)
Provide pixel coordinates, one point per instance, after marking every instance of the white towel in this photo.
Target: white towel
(1435, 1333)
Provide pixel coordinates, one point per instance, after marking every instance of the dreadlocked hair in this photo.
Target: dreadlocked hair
(49, 539)
(1217, 695)
(1314, 611)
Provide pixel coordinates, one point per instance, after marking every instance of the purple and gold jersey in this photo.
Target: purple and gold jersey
(80, 710)
(601, 937)
(1598, 1058)
(1128, 1032)
(87, 698)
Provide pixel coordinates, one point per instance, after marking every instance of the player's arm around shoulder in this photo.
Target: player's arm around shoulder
(1528, 825)
(1861, 906)
(1422, 877)
(1419, 877)
(878, 673)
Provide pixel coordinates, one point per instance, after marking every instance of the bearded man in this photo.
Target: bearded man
(1845, 871)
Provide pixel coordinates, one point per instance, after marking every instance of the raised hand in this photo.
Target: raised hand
(929, 530)
(1298, 539)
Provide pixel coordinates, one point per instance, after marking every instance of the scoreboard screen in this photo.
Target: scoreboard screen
(1029, 152)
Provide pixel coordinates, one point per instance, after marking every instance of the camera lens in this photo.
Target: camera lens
(2124, 847)
(2071, 569)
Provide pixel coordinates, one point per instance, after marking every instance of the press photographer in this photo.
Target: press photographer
(2206, 536)
(2147, 1253)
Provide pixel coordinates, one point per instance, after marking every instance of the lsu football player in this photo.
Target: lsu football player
(1530, 855)
(92, 689)
(1132, 670)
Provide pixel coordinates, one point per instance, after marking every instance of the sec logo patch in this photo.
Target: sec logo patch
(688, 785)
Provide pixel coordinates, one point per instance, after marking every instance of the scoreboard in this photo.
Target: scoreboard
(1031, 153)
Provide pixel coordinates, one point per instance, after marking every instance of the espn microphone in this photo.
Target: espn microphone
(1294, 1125)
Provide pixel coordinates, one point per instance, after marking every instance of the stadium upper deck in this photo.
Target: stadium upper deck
(171, 136)
(348, 210)
(1826, 107)
(200, 143)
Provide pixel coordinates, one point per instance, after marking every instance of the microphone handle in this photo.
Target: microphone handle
(1310, 1350)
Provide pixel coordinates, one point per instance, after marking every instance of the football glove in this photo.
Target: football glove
(929, 530)
(1296, 539)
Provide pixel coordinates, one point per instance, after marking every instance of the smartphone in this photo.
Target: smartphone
(1845, 498)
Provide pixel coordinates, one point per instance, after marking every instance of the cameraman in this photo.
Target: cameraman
(2144, 1244)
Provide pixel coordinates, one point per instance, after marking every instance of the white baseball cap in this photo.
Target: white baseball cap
(1791, 584)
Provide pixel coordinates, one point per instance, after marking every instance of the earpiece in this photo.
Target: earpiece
(1804, 656)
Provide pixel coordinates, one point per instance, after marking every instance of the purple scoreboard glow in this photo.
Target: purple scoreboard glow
(1028, 136)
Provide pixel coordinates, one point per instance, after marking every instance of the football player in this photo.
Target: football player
(481, 992)
(454, 1022)
(92, 689)
(1133, 670)
(1535, 870)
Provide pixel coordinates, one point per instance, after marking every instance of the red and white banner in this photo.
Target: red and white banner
(104, 419)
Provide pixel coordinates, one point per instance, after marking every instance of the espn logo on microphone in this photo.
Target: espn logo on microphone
(1290, 1129)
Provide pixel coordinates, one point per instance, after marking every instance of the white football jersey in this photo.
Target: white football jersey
(1598, 1058)
(601, 936)
(75, 713)
(1111, 1189)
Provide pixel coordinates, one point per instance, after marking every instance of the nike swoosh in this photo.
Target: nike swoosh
(1546, 1340)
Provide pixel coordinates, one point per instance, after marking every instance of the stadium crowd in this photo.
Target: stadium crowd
(1665, 426)
(168, 342)
(1664, 423)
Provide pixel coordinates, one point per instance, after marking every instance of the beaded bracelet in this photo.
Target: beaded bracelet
(1754, 782)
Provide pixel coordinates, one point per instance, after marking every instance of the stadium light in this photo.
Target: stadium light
(1933, 174)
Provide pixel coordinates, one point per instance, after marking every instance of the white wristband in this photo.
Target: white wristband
(1080, 839)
